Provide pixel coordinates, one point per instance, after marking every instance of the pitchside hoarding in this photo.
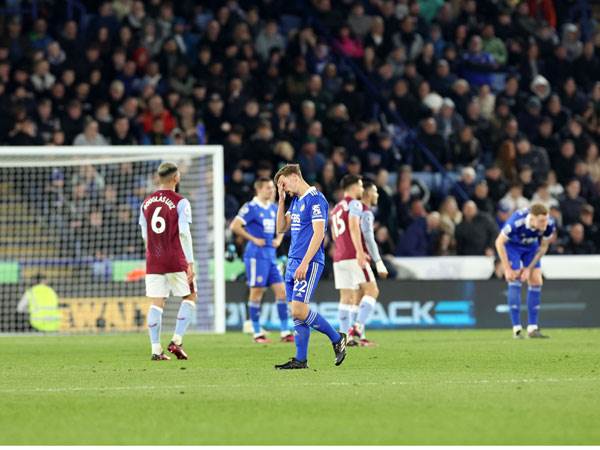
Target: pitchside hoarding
(442, 304)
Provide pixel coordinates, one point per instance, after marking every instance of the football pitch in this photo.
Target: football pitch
(416, 387)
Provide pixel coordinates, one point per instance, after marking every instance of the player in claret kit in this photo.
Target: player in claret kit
(523, 241)
(165, 218)
(367, 292)
(307, 220)
(255, 222)
(350, 264)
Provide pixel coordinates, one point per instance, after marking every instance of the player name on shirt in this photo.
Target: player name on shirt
(162, 199)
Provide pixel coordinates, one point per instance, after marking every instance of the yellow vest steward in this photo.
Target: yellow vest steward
(44, 314)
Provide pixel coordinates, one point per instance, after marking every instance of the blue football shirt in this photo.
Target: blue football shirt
(519, 232)
(311, 207)
(259, 220)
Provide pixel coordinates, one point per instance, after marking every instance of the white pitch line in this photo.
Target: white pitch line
(334, 383)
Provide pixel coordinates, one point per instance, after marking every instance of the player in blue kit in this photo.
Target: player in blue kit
(255, 223)
(307, 219)
(522, 242)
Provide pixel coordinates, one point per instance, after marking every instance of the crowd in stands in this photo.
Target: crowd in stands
(460, 111)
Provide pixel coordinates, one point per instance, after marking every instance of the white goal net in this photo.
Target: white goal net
(72, 258)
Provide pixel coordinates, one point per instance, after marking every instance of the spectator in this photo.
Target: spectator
(418, 239)
(465, 148)
(591, 228)
(268, 39)
(482, 199)
(514, 198)
(564, 162)
(542, 195)
(476, 233)
(571, 202)
(90, 135)
(466, 185)
(450, 215)
(577, 244)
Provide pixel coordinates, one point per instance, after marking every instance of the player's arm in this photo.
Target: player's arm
(284, 219)
(315, 242)
(354, 215)
(366, 226)
(238, 228)
(542, 250)
(277, 240)
(144, 227)
(501, 240)
(184, 211)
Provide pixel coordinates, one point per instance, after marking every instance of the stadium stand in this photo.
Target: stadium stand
(440, 102)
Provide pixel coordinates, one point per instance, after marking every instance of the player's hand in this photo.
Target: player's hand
(510, 274)
(190, 273)
(300, 273)
(381, 269)
(361, 257)
(281, 191)
(525, 275)
(259, 242)
(276, 242)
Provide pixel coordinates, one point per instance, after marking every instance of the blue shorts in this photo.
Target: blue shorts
(262, 272)
(301, 290)
(520, 253)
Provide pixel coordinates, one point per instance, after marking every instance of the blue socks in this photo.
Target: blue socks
(254, 309)
(533, 304)
(514, 302)
(318, 322)
(301, 337)
(184, 317)
(282, 311)
(154, 324)
(344, 317)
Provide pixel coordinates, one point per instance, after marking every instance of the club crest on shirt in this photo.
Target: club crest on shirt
(302, 207)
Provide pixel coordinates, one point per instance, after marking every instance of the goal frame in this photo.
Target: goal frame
(141, 153)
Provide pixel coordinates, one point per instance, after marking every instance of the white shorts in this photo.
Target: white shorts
(176, 283)
(348, 274)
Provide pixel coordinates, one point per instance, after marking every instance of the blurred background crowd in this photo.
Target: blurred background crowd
(461, 111)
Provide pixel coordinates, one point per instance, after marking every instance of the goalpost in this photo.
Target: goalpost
(69, 226)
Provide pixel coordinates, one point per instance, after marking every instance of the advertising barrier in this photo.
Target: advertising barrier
(442, 304)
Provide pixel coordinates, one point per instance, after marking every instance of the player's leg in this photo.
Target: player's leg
(156, 291)
(254, 304)
(180, 287)
(301, 330)
(275, 280)
(370, 293)
(258, 280)
(347, 276)
(534, 294)
(304, 318)
(514, 292)
(344, 307)
(303, 291)
(282, 312)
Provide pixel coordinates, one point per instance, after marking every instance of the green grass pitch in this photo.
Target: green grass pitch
(416, 387)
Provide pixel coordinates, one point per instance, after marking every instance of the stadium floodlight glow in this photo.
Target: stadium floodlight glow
(69, 215)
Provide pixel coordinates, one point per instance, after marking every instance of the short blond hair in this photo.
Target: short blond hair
(287, 170)
(537, 209)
